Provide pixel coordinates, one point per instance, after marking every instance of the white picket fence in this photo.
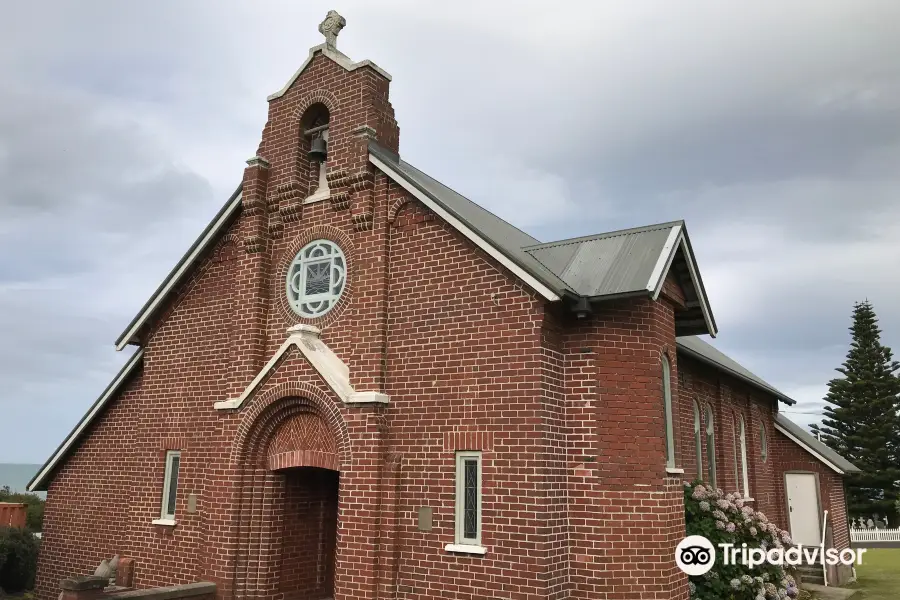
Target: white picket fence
(875, 535)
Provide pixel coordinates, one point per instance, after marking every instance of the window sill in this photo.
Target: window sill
(674, 471)
(748, 499)
(165, 522)
(465, 549)
(318, 197)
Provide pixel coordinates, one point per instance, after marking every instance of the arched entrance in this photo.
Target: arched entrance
(309, 533)
(288, 517)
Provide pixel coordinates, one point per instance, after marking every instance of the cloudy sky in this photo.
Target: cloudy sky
(773, 128)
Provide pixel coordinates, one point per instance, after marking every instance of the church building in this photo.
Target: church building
(359, 384)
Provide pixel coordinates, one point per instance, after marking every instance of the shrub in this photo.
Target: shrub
(725, 519)
(18, 559)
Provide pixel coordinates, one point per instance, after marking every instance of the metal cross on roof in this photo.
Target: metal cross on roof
(331, 27)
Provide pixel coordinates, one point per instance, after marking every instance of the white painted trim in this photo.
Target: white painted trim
(459, 534)
(821, 458)
(466, 549)
(166, 522)
(677, 240)
(689, 258)
(666, 255)
(332, 369)
(164, 515)
(674, 471)
(335, 55)
(88, 419)
(479, 241)
(176, 277)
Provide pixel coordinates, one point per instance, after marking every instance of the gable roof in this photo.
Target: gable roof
(41, 480)
(594, 259)
(808, 442)
(698, 349)
(630, 262)
(180, 272)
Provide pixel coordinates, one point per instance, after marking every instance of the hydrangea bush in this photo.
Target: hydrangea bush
(725, 519)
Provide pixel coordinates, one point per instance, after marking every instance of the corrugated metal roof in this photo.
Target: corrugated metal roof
(814, 445)
(607, 264)
(704, 352)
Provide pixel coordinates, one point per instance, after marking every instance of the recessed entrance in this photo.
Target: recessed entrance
(309, 533)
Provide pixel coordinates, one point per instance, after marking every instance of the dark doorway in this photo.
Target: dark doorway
(309, 533)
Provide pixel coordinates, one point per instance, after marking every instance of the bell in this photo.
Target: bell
(318, 150)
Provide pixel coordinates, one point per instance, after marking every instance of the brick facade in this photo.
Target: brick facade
(568, 414)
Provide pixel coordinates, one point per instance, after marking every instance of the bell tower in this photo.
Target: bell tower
(319, 125)
(311, 170)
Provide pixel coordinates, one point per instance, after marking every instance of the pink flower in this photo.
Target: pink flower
(730, 527)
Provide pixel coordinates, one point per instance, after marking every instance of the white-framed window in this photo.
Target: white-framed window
(763, 443)
(698, 440)
(667, 400)
(315, 278)
(737, 451)
(745, 478)
(710, 447)
(170, 485)
(468, 498)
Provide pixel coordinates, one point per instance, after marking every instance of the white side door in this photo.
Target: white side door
(803, 507)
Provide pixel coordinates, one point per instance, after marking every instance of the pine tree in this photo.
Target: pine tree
(861, 419)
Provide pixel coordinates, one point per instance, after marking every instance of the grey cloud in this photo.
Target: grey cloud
(774, 132)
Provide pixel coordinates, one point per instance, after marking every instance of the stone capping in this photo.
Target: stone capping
(333, 370)
(84, 582)
(201, 588)
(337, 56)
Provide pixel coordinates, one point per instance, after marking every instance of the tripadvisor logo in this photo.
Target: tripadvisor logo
(696, 555)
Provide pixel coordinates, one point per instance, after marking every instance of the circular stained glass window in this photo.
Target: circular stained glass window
(315, 279)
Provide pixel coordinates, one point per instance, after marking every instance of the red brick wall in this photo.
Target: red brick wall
(307, 535)
(729, 397)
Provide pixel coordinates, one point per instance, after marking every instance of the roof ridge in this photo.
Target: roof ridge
(607, 234)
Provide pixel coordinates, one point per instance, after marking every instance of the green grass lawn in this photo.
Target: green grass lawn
(878, 577)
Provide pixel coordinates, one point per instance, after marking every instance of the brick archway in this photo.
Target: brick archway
(290, 435)
(304, 440)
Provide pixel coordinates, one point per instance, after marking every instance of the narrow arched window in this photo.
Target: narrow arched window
(710, 447)
(745, 479)
(763, 443)
(698, 443)
(667, 399)
(737, 452)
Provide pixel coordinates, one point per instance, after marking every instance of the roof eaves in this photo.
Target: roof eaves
(540, 282)
(40, 481)
(823, 453)
(698, 282)
(209, 234)
(597, 236)
(756, 384)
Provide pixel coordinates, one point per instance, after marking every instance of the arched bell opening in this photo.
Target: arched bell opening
(313, 151)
